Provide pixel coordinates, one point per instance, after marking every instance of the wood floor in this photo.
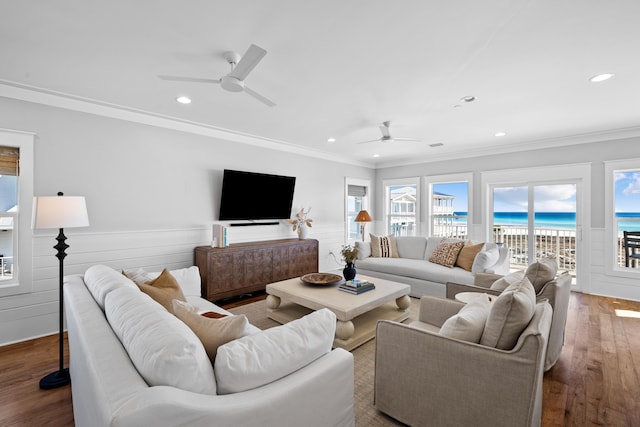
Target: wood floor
(595, 382)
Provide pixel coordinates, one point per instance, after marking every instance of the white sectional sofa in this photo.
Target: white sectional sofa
(427, 278)
(127, 351)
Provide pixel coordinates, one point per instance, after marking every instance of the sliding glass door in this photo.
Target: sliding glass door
(537, 220)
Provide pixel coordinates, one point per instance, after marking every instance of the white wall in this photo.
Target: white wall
(152, 194)
(601, 283)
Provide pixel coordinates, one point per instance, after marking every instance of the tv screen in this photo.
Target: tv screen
(253, 196)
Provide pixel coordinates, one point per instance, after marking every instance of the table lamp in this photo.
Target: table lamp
(59, 212)
(363, 217)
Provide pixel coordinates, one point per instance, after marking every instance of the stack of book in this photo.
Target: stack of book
(356, 286)
(219, 236)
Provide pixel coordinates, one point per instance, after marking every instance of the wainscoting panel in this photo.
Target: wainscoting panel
(35, 314)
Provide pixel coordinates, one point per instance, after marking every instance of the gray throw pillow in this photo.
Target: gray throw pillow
(541, 272)
(510, 314)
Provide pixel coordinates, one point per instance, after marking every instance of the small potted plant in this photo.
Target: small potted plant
(349, 254)
(301, 223)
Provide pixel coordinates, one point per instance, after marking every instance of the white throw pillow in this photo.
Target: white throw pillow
(163, 349)
(469, 323)
(255, 360)
(485, 259)
(101, 280)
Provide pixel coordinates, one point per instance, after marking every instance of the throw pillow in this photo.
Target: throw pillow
(446, 253)
(163, 290)
(504, 282)
(213, 315)
(541, 272)
(469, 323)
(258, 359)
(188, 278)
(510, 314)
(468, 254)
(383, 246)
(163, 349)
(212, 332)
(138, 275)
(485, 258)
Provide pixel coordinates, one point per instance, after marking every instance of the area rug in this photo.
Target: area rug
(364, 362)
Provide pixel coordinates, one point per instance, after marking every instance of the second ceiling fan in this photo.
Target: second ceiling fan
(386, 135)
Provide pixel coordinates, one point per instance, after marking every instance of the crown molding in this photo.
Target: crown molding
(22, 92)
(537, 144)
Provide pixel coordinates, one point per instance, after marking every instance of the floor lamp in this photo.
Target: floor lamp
(363, 218)
(59, 212)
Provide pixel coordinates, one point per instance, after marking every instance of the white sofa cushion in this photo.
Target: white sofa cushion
(163, 349)
(417, 269)
(259, 359)
(101, 280)
(468, 324)
(411, 247)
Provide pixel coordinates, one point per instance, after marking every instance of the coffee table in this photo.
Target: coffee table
(357, 315)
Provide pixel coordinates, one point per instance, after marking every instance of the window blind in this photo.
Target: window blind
(357, 190)
(9, 161)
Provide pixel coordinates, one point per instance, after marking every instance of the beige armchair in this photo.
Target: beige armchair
(556, 291)
(423, 378)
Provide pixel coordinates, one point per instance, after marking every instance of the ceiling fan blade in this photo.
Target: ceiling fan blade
(384, 128)
(248, 62)
(366, 142)
(259, 97)
(406, 139)
(189, 79)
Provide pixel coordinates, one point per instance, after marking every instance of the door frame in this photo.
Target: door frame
(580, 174)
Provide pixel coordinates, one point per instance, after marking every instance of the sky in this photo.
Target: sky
(458, 189)
(547, 198)
(627, 191)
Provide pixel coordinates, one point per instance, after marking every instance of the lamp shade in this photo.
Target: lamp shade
(363, 216)
(59, 212)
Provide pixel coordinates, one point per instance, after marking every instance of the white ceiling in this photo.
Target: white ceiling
(339, 68)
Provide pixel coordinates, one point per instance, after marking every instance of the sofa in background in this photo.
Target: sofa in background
(411, 265)
(134, 363)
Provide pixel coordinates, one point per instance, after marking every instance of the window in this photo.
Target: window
(402, 207)
(357, 192)
(16, 198)
(623, 212)
(9, 172)
(448, 205)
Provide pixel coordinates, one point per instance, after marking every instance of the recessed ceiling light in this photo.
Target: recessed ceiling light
(457, 106)
(500, 133)
(376, 155)
(331, 140)
(601, 77)
(183, 100)
(468, 98)
(436, 144)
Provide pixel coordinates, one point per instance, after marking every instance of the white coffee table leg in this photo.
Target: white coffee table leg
(344, 330)
(273, 301)
(404, 302)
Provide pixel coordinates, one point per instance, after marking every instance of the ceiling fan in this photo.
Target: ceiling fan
(241, 66)
(386, 135)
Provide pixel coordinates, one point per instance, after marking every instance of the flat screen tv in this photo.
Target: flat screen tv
(255, 196)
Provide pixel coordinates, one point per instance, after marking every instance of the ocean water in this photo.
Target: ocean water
(555, 219)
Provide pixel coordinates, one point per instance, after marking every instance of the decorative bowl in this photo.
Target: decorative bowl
(321, 279)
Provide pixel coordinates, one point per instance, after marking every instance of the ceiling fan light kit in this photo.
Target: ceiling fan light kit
(241, 66)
